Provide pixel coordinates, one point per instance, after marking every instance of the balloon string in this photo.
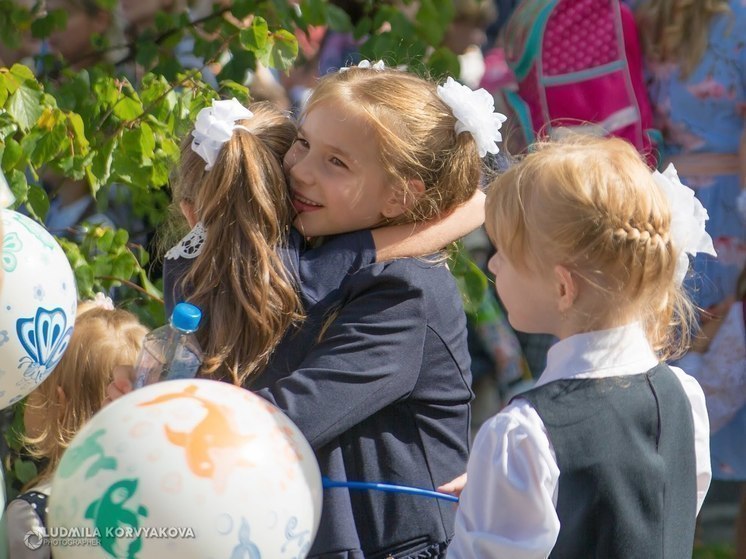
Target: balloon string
(387, 487)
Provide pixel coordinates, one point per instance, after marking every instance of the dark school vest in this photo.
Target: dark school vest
(625, 450)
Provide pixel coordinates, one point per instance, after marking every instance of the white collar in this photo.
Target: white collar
(624, 350)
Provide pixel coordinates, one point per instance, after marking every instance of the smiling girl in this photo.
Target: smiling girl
(380, 386)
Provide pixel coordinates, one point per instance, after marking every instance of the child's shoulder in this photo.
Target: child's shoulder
(428, 276)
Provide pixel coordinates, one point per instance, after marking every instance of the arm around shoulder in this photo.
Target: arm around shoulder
(419, 239)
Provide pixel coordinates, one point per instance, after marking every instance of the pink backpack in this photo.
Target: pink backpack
(578, 63)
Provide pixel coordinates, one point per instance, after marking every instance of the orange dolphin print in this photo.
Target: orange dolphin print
(212, 447)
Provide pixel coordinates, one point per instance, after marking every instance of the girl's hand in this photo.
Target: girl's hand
(123, 383)
(454, 487)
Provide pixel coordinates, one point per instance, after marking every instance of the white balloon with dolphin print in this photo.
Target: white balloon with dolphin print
(187, 468)
(37, 306)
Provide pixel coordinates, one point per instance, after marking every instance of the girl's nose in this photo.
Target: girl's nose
(300, 168)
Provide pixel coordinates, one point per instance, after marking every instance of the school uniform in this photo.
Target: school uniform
(382, 397)
(608, 456)
(377, 378)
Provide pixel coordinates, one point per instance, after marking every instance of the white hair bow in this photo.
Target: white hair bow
(688, 218)
(214, 126)
(103, 302)
(475, 113)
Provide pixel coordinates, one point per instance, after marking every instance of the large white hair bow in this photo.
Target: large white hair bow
(214, 126)
(688, 218)
(475, 113)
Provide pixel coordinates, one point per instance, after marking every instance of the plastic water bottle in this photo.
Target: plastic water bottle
(171, 351)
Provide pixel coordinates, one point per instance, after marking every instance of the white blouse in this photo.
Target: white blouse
(508, 507)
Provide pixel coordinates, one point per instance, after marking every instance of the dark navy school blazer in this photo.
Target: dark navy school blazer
(382, 396)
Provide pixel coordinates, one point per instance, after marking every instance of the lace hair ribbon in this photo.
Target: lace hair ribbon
(214, 126)
(688, 217)
(475, 113)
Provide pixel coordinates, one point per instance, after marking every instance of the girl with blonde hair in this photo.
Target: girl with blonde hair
(377, 374)
(103, 338)
(608, 455)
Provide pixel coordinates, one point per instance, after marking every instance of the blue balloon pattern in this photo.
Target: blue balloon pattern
(302, 539)
(246, 549)
(44, 337)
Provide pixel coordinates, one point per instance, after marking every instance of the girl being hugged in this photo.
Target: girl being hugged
(103, 338)
(379, 381)
(608, 455)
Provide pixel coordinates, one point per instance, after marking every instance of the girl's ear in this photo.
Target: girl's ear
(566, 288)
(402, 199)
(187, 209)
(61, 396)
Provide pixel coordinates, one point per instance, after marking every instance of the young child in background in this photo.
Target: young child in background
(103, 337)
(608, 455)
(381, 355)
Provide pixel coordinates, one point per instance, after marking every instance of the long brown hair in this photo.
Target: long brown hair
(677, 30)
(239, 279)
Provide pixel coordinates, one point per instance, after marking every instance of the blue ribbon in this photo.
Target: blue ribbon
(387, 487)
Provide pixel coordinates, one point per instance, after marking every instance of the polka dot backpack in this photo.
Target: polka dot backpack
(578, 66)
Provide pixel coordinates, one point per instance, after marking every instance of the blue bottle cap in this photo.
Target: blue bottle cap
(186, 317)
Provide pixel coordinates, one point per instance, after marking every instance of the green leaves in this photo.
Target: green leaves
(282, 52)
(433, 19)
(128, 107)
(470, 279)
(44, 26)
(24, 100)
(121, 135)
(276, 49)
(256, 36)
